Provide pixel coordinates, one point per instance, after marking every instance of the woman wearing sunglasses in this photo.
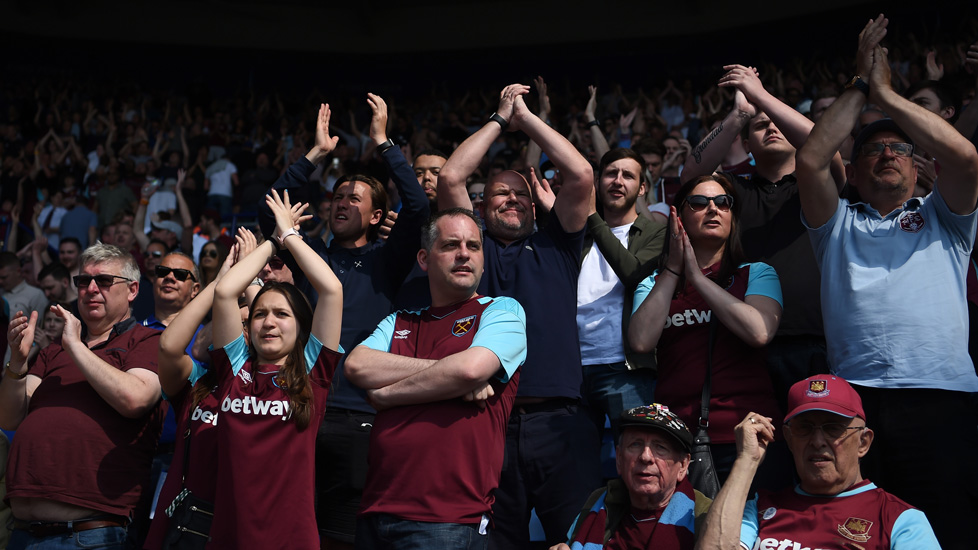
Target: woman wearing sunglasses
(703, 279)
(272, 388)
(212, 256)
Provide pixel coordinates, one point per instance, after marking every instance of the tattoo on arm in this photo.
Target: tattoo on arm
(698, 152)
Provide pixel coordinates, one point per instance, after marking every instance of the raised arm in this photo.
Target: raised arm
(328, 316)
(594, 125)
(958, 182)
(175, 366)
(227, 317)
(17, 387)
(572, 203)
(816, 186)
(710, 151)
(532, 149)
(721, 528)
(187, 237)
(451, 180)
(296, 177)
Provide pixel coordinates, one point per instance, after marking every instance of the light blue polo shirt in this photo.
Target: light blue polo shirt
(893, 294)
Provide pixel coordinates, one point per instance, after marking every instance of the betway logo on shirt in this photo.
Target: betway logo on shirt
(689, 317)
(783, 544)
(252, 405)
(206, 417)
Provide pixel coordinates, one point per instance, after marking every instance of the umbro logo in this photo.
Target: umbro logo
(401, 334)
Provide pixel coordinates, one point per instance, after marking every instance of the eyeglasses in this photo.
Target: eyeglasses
(156, 254)
(208, 253)
(480, 195)
(103, 281)
(832, 430)
(178, 274)
(876, 149)
(700, 202)
(549, 174)
(659, 449)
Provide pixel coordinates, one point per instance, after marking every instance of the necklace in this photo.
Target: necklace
(636, 520)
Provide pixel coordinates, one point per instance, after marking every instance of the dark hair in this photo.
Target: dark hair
(195, 270)
(56, 270)
(945, 95)
(293, 377)
(619, 153)
(430, 153)
(648, 147)
(222, 254)
(429, 233)
(378, 198)
(733, 252)
(159, 242)
(9, 260)
(73, 240)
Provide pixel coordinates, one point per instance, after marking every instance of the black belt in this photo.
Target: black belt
(41, 529)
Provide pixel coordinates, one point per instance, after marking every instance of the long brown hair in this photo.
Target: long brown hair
(293, 376)
(733, 251)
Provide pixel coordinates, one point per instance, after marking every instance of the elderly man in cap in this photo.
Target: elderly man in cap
(652, 504)
(832, 506)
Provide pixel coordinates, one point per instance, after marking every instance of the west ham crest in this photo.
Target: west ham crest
(461, 326)
(856, 529)
(816, 388)
(911, 222)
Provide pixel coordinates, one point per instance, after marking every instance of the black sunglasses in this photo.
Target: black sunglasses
(178, 274)
(699, 202)
(276, 263)
(209, 253)
(103, 281)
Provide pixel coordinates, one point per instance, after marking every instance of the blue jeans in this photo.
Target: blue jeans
(612, 388)
(383, 531)
(106, 538)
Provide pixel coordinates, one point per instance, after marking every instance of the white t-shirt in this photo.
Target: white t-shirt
(220, 175)
(600, 299)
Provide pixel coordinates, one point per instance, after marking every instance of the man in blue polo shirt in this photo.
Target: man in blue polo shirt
(551, 444)
(893, 287)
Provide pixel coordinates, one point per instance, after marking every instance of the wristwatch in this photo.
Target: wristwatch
(385, 146)
(11, 374)
(858, 83)
(498, 118)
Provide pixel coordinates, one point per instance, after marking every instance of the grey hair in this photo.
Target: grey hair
(429, 233)
(100, 253)
(195, 270)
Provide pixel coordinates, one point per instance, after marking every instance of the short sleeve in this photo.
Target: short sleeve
(763, 281)
(237, 352)
(502, 330)
(382, 336)
(144, 351)
(820, 235)
(911, 530)
(749, 527)
(313, 348)
(961, 227)
(642, 290)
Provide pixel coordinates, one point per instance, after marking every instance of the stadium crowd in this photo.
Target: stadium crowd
(445, 305)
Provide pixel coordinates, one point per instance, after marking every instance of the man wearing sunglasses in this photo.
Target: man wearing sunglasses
(87, 413)
(893, 287)
(833, 506)
(177, 282)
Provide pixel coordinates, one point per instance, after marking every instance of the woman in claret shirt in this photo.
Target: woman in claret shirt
(272, 389)
(702, 279)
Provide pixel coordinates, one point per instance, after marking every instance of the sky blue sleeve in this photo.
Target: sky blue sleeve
(237, 352)
(912, 531)
(198, 371)
(749, 528)
(382, 336)
(502, 330)
(642, 290)
(311, 353)
(960, 227)
(820, 235)
(763, 281)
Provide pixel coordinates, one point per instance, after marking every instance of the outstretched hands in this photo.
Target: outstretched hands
(541, 87)
(287, 215)
(745, 80)
(20, 336)
(543, 195)
(508, 99)
(869, 45)
(324, 142)
(378, 120)
(592, 103)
